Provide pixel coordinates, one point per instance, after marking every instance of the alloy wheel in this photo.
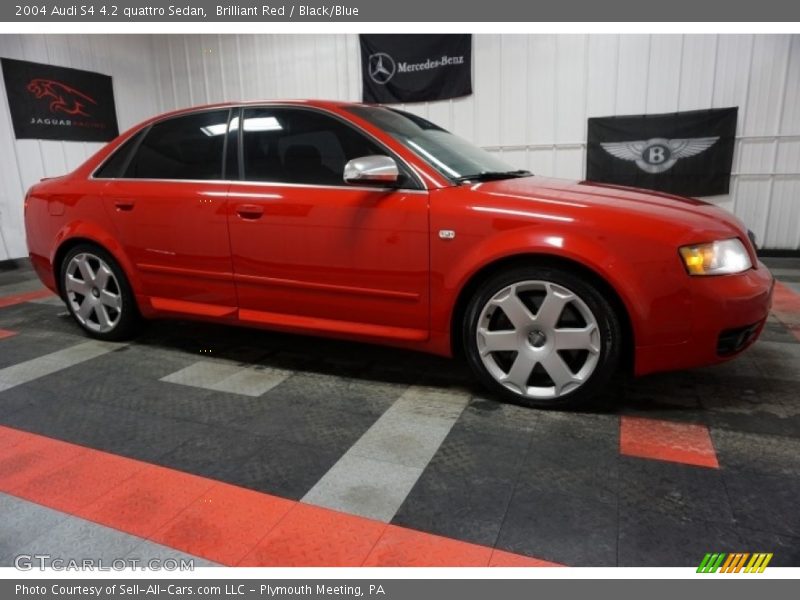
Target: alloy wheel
(93, 292)
(538, 339)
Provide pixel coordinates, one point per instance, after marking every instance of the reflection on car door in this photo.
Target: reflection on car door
(309, 250)
(168, 207)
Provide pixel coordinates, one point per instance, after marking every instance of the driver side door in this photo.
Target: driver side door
(310, 251)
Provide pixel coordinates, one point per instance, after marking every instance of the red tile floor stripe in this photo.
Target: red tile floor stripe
(147, 501)
(317, 537)
(399, 547)
(5, 333)
(687, 443)
(786, 307)
(785, 299)
(25, 297)
(214, 520)
(28, 457)
(225, 523)
(501, 558)
(76, 484)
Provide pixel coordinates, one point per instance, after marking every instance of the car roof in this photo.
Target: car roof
(293, 102)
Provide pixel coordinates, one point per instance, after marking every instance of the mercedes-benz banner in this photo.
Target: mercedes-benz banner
(416, 68)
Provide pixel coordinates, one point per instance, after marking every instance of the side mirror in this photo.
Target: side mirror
(371, 170)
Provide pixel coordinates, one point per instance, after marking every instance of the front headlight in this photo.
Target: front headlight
(716, 258)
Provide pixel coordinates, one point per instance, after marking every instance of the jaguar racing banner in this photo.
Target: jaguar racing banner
(415, 68)
(57, 103)
(686, 153)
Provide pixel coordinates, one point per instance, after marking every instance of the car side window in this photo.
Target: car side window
(285, 145)
(115, 164)
(186, 147)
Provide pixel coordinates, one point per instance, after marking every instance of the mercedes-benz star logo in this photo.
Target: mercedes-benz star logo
(381, 68)
(657, 155)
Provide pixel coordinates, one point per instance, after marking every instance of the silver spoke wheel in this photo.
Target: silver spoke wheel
(93, 292)
(538, 339)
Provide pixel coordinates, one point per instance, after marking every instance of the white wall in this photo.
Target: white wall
(533, 94)
(532, 97)
(128, 59)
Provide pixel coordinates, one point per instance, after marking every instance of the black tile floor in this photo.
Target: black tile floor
(551, 485)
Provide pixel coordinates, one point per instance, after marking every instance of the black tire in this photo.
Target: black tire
(607, 321)
(129, 319)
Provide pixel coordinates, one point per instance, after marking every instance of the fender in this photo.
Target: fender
(622, 272)
(100, 236)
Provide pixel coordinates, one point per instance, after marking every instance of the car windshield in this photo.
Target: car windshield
(453, 157)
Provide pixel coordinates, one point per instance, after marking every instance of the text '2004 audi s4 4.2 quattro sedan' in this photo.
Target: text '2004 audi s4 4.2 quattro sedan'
(372, 224)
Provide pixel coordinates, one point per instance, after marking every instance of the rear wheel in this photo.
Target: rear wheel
(98, 294)
(542, 336)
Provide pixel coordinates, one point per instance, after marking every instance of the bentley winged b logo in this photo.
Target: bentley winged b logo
(63, 98)
(657, 155)
(381, 68)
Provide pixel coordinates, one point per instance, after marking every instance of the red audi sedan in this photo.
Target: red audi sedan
(372, 224)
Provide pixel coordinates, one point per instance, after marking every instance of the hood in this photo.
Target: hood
(563, 195)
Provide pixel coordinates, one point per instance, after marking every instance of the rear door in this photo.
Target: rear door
(169, 208)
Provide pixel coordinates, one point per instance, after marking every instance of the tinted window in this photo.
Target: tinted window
(299, 146)
(188, 147)
(113, 166)
(452, 156)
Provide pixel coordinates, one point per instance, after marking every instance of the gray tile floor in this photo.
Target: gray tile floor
(408, 438)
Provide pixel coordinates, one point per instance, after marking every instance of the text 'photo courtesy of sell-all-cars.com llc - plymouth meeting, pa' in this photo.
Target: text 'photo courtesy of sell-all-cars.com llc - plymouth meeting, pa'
(372, 224)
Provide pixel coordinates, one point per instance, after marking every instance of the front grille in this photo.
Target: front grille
(732, 341)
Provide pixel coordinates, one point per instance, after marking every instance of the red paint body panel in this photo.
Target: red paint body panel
(369, 264)
(332, 253)
(176, 235)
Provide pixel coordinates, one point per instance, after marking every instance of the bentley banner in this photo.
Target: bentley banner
(687, 153)
(56, 103)
(415, 68)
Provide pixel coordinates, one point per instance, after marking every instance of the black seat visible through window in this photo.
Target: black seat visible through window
(302, 163)
(297, 145)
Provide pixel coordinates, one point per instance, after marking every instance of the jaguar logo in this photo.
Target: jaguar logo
(657, 155)
(381, 68)
(63, 98)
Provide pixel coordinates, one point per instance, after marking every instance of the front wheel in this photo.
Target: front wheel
(97, 293)
(542, 337)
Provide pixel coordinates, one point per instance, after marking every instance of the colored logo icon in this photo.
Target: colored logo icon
(738, 562)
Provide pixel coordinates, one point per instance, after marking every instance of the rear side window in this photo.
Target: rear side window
(187, 147)
(114, 166)
(299, 146)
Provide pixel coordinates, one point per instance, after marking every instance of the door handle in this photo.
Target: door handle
(124, 205)
(250, 211)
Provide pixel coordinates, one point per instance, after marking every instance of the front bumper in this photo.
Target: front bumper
(727, 315)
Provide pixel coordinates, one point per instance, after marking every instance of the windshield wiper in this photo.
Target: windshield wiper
(493, 175)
